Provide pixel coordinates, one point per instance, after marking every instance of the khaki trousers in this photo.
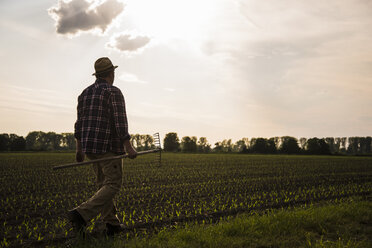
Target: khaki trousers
(109, 181)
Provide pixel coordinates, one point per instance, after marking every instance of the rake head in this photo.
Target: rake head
(158, 146)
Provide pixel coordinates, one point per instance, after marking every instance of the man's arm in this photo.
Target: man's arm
(121, 122)
(79, 152)
(132, 153)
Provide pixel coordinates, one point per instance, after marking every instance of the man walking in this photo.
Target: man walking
(101, 130)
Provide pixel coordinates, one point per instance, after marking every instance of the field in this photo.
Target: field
(185, 188)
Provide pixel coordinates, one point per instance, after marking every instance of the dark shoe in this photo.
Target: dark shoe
(111, 230)
(77, 221)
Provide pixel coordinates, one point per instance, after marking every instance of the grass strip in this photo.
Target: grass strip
(347, 224)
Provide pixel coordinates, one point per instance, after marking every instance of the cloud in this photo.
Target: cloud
(33, 100)
(128, 43)
(169, 89)
(127, 77)
(81, 16)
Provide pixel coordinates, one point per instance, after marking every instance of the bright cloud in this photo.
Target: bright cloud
(128, 43)
(169, 89)
(131, 78)
(80, 15)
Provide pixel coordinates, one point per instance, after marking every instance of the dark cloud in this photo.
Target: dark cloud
(128, 43)
(80, 15)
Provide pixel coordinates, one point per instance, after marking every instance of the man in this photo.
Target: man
(101, 131)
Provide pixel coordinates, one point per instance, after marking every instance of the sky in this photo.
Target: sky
(215, 68)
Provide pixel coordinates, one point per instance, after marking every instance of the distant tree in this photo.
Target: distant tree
(331, 144)
(271, 146)
(227, 145)
(68, 141)
(218, 147)
(171, 142)
(278, 142)
(51, 141)
(259, 145)
(241, 146)
(148, 141)
(252, 143)
(33, 141)
(324, 147)
(337, 145)
(317, 146)
(17, 143)
(4, 142)
(343, 146)
(364, 145)
(369, 145)
(359, 145)
(142, 142)
(312, 146)
(203, 145)
(353, 147)
(263, 145)
(246, 142)
(189, 144)
(136, 141)
(289, 145)
(303, 143)
(41, 141)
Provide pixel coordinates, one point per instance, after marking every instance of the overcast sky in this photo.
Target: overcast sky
(215, 68)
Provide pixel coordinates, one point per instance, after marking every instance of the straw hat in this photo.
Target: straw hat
(103, 64)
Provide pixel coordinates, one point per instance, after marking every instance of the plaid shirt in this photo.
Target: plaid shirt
(101, 124)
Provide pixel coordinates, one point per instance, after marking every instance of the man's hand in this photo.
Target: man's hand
(79, 153)
(80, 156)
(132, 153)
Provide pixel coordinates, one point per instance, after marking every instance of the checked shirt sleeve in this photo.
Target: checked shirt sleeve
(78, 125)
(119, 114)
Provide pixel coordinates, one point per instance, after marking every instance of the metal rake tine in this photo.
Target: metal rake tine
(158, 144)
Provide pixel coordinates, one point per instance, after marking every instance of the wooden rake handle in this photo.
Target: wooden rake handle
(103, 159)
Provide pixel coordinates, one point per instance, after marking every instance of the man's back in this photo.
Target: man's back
(101, 125)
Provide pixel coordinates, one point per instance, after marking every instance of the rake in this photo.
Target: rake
(156, 150)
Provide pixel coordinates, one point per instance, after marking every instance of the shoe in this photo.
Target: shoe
(76, 220)
(111, 230)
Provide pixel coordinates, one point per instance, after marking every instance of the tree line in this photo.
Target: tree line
(51, 141)
(37, 141)
(274, 145)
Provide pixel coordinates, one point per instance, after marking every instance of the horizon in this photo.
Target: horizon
(216, 69)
